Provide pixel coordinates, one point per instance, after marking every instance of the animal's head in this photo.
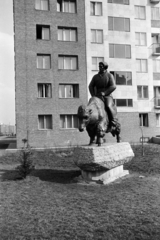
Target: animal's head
(84, 117)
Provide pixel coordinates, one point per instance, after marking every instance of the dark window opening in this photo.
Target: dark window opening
(122, 77)
(143, 119)
(68, 6)
(126, 2)
(124, 102)
(43, 32)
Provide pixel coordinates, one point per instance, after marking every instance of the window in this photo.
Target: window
(124, 102)
(97, 36)
(67, 34)
(155, 14)
(141, 65)
(141, 39)
(140, 12)
(44, 90)
(43, 32)
(156, 65)
(68, 91)
(143, 119)
(157, 119)
(96, 8)
(42, 5)
(156, 38)
(119, 51)
(68, 121)
(142, 92)
(157, 96)
(95, 62)
(122, 78)
(126, 2)
(43, 61)
(67, 62)
(67, 6)
(44, 121)
(119, 24)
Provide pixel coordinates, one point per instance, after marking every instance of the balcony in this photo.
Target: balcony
(156, 49)
(154, 1)
(157, 102)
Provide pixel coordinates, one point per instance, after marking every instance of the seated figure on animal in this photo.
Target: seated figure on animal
(102, 85)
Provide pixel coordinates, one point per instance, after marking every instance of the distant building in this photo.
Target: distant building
(58, 45)
(6, 129)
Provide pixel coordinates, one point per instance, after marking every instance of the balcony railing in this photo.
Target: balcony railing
(157, 102)
(156, 49)
(154, 1)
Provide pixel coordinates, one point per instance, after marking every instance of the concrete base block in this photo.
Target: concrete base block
(106, 157)
(104, 177)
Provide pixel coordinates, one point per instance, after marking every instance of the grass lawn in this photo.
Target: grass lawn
(51, 204)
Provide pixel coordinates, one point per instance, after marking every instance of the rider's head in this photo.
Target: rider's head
(103, 66)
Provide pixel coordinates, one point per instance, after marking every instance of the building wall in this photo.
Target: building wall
(119, 37)
(128, 116)
(28, 105)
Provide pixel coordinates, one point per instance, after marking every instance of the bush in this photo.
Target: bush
(26, 163)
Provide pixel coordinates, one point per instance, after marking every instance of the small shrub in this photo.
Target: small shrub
(26, 163)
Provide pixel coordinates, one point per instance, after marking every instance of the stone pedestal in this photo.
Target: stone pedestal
(103, 164)
(104, 177)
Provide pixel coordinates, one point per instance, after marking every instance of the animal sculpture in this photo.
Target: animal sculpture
(95, 119)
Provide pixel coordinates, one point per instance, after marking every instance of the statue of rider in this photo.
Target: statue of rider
(102, 85)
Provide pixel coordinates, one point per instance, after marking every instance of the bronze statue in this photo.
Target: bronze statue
(100, 115)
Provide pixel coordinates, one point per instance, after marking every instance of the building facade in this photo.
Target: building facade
(50, 65)
(7, 129)
(58, 45)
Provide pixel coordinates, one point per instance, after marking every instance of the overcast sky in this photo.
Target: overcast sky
(7, 76)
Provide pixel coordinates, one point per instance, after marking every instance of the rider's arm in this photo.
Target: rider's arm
(112, 85)
(91, 87)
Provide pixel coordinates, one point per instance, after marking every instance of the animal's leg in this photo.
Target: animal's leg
(92, 141)
(118, 138)
(99, 141)
(101, 129)
(117, 132)
(91, 135)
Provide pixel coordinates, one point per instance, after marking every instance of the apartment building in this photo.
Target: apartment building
(50, 65)
(125, 33)
(58, 45)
